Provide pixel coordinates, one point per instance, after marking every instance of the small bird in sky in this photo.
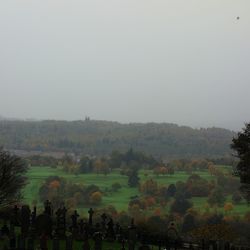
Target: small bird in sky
(238, 18)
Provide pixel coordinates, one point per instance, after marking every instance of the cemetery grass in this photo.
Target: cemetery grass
(120, 199)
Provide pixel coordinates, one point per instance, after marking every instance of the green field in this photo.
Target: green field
(120, 199)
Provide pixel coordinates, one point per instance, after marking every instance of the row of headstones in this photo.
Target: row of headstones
(34, 225)
(97, 235)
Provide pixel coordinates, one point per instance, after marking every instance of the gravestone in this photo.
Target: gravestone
(74, 225)
(98, 237)
(81, 226)
(61, 221)
(91, 212)
(110, 230)
(85, 235)
(104, 218)
(142, 237)
(15, 218)
(48, 208)
(33, 217)
(74, 218)
(118, 228)
(118, 232)
(43, 224)
(172, 235)
(25, 220)
(132, 236)
(33, 223)
(84, 230)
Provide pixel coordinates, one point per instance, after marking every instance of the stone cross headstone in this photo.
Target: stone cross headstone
(74, 218)
(74, 225)
(91, 212)
(33, 222)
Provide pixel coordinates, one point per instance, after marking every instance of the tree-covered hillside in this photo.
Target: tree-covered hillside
(102, 137)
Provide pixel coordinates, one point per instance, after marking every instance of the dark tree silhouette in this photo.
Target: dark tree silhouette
(180, 205)
(241, 144)
(12, 178)
(133, 179)
(171, 190)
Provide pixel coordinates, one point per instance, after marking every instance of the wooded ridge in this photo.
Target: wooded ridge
(92, 137)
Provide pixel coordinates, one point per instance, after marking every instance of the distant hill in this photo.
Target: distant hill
(102, 137)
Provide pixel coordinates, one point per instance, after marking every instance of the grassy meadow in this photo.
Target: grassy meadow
(120, 199)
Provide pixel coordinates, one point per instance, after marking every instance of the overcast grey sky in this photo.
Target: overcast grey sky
(178, 61)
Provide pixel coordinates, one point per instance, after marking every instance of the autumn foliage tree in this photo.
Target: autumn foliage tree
(180, 205)
(149, 187)
(58, 190)
(216, 197)
(228, 207)
(133, 178)
(96, 198)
